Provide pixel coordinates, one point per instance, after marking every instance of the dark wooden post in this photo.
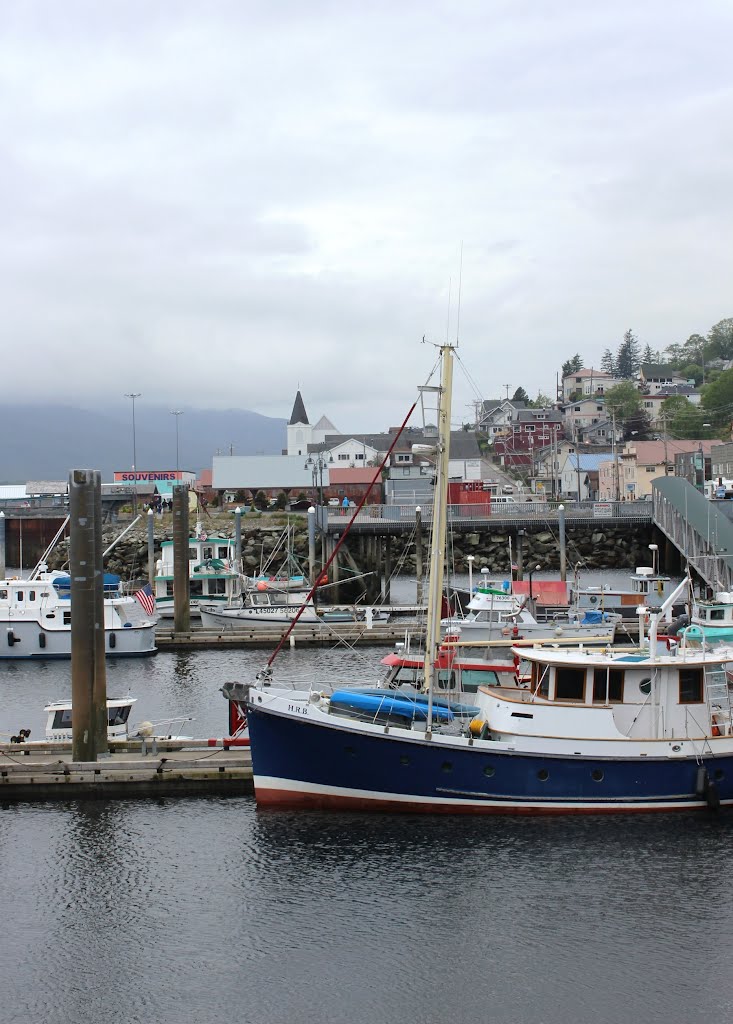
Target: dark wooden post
(181, 590)
(88, 679)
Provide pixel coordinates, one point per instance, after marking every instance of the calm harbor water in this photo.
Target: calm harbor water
(204, 910)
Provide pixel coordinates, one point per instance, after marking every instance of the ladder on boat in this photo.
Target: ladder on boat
(718, 696)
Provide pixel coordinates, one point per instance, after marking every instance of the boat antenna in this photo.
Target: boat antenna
(460, 282)
(447, 323)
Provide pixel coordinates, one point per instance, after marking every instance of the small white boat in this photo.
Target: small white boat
(213, 573)
(646, 587)
(59, 724)
(260, 609)
(35, 614)
(499, 616)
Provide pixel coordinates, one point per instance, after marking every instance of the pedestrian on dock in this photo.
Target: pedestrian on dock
(345, 505)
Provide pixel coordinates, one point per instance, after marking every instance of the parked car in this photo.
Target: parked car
(508, 489)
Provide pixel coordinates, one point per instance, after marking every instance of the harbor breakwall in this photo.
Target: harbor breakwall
(591, 546)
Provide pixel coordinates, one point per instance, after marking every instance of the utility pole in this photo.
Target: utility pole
(663, 418)
(616, 481)
(507, 386)
(133, 396)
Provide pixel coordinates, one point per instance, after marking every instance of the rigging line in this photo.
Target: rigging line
(342, 538)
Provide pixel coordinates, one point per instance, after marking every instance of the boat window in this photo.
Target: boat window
(118, 716)
(193, 555)
(644, 586)
(222, 552)
(569, 683)
(446, 680)
(31, 595)
(717, 614)
(67, 618)
(169, 588)
(207, 551)
(645, 686)
(608, 686)
(197, 588)
(3, 595)
(690, 685)
(62, 719)
(217, 586)
(19, 595)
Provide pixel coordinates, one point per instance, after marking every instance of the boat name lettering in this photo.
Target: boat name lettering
(298, 709)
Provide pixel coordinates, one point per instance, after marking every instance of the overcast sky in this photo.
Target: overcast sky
(215, 203)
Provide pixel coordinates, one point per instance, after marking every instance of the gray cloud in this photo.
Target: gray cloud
(216, 204)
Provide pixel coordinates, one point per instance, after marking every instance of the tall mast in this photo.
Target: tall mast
(440, 521)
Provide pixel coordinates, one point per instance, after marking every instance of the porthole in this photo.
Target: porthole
(543, 775)
(645, 685)
(447, 766)
(489, 771)
(597, 775)
(404, 759)
(719, 774)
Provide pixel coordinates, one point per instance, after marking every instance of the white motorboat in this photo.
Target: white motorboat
(260, 608)
(498, 616)
(35, 613)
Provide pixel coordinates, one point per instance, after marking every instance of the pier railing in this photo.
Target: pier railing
(377, 517)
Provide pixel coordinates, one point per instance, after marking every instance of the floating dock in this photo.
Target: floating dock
(200, 638)
(30, 772)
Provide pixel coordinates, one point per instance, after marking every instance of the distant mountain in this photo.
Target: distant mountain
(45, 441)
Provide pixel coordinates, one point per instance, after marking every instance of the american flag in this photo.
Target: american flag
(145, 596)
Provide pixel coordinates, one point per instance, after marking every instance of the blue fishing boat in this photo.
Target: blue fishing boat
(597, 730)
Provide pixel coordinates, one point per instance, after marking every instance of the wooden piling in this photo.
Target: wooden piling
(88, 683)
(181, 592)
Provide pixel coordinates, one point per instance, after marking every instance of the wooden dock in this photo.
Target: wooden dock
(31, 772)
(199, 638)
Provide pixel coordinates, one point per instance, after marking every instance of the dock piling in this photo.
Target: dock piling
(88, 678)
(181, 592)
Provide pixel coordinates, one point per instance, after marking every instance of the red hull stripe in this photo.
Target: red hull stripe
(285, 799)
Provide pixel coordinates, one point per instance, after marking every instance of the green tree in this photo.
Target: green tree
(647, 355)
(720, 339)
(520, 395)
(572, 365)
(542, 401)
(627, 357)
(717, 399)
(608, 363)
(623, 399)
(681, 418)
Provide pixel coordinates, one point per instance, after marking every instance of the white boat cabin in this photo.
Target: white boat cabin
(615, 695)
(59, 726)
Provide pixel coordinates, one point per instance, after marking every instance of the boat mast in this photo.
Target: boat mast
(439, 531)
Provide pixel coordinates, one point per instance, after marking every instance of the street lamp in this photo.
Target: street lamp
(654, 548)
(177, 413)
(317, 466)
(530, 574)
(133, 396)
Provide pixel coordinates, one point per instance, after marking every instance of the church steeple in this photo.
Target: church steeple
(298, 414)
